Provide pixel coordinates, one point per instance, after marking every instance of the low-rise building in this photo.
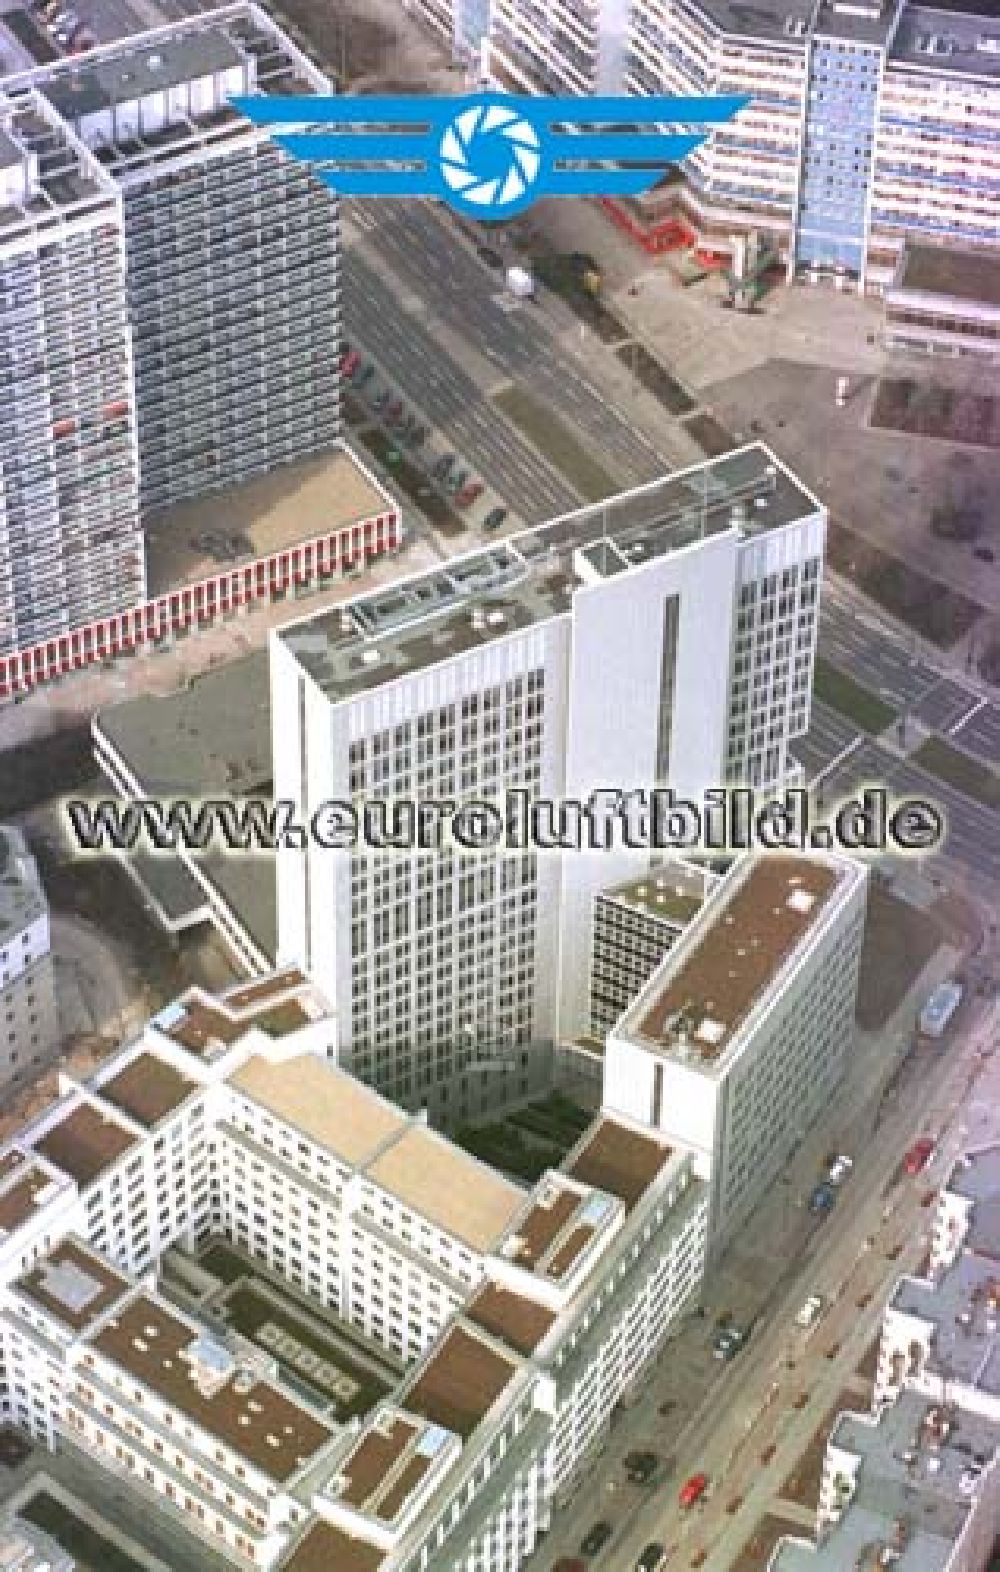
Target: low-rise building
(29, 1022)
(944, 302)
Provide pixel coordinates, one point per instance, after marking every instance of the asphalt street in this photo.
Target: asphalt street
(979, 731)
(432, 261)
(450, 399)
(877, 660)
(746, 1424)
(828, 735)
(971, 854)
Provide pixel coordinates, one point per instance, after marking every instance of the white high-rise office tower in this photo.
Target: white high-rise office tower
(666, 636)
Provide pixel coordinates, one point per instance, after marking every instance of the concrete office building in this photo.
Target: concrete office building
(664, 636)
(70, 539)
(520, 1318)
(872, 123)
(635, 925)
(737, 1042)
(29, 1022)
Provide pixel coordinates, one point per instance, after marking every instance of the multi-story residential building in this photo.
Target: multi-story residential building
(943, 303)
(70, 537)
(522, 1317)
(939, 1335)
(737, 1042)
(917, 1482)
(233, 291)
(29, 1021)
(665, 636)
(917, 1486)
(872, 123)
(170, 325)
(635, 925)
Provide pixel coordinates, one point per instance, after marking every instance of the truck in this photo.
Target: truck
(520, 283)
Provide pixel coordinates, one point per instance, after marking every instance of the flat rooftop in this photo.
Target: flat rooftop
(298, 502)
(460, 1382)
(264, 1425)
(909, 1505)
(976, 1175)
(148, 1089)
(515, 1319)
(323, 1103)
(673, 893)
(22, 899)
(447, 1186)
(618, 1160)
(961, 1306)
(216, 730)
(207, 1024)
(771, 20)
(704, 989)
(132, 72)
(66, 178)
(971, 277)
(958, 29)
(557, 1227)
(74, 1285)
(24, 1188)
(324, 1548)
(84, 1143)
(529, 578)
(389, 1463)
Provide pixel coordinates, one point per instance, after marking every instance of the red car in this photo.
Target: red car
(919, 1155)
(469, 493)
(693, 1489)
(349, 362)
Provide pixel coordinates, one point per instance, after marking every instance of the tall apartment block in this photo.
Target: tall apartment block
(664, 636)
(513, 1321)
(872, 123)
(917, 1481)
(738, 1041)
(233, 284)
(70, 537)
(171, 307)
(29, 1022)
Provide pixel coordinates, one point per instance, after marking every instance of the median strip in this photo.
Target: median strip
(960, 770)
(555, 442)
(842, 693)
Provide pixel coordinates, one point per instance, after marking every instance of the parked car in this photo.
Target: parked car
(692, 1490)
(394, 412)
(810, 1312)
(350, 360)
(380, 400)
(919, 1155)
(442, 468)
(652, 1559)
(569, 1564)
(495, 519)
(456, 480)
(840, 1168)
(729, 1340)
(491, 257)
(822, 1198)
(595, 1539)
(469, 493)
(365, 374)
(984, 553)
(641, 1466)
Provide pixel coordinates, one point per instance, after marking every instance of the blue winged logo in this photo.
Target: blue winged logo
(490, 155)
